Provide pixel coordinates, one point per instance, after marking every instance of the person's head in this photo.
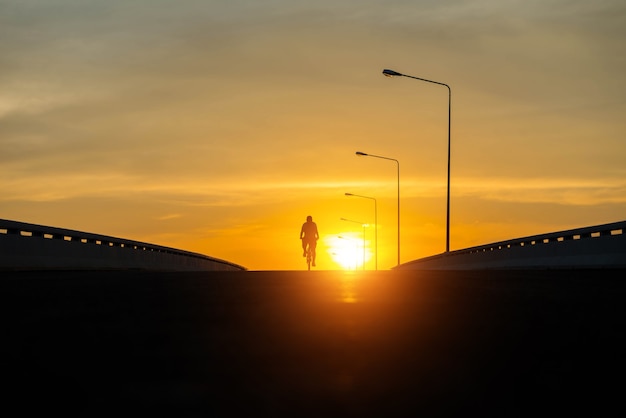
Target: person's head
(309, 218)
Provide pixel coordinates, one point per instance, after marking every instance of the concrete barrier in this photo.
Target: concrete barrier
(600, 246)
(26, 246)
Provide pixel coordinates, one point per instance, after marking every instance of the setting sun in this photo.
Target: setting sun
(348, 251)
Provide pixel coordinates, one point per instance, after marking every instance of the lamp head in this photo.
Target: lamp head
(359, 153)
(391, 73)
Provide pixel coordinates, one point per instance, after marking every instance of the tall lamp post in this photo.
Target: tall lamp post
(375, 224)
(363, 225)
(363, 154)
(392, 73)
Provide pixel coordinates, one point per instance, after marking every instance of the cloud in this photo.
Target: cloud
(169, 217)
(573, 192)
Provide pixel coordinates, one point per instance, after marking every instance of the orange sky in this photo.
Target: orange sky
(217, 127)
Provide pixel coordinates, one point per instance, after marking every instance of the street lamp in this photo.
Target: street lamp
(363, 154)
(392, 73)
(375, 224)
(363, 225)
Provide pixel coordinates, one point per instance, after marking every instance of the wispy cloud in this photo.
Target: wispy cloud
(169, 217)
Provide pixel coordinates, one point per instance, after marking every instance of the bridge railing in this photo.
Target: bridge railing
(31, 246)
(593, 246)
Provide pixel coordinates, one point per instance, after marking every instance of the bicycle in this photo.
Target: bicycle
(310, 256)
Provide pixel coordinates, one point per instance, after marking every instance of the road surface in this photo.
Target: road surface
(313, 344)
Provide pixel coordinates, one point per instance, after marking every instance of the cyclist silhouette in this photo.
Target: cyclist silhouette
(309, 237)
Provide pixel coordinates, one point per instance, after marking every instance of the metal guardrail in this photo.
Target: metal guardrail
(540, 243)
(33, 231)
(615, 228)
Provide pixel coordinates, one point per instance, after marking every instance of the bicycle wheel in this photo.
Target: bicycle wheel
(308, 257)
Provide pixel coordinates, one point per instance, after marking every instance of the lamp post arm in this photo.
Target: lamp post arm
(428, 81)
(384, 158)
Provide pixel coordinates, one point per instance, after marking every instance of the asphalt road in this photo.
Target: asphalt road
(309, 344)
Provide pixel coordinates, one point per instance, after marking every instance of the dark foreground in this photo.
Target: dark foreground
(505, 344)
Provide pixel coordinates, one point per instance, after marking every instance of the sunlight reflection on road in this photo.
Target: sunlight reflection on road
(347, 287)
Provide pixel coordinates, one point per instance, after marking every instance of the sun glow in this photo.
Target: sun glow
(348, 251)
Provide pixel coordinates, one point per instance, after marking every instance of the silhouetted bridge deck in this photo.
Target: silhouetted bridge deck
(598, 246)
(25, 246)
